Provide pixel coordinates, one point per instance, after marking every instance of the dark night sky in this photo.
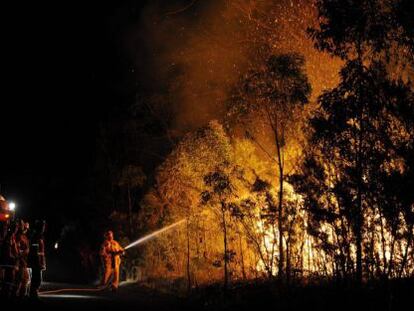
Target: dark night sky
(61, 60)
(66, 72)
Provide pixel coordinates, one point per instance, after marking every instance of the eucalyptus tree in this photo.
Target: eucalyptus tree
(273, 95)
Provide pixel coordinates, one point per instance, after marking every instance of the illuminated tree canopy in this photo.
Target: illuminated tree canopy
(280, 182)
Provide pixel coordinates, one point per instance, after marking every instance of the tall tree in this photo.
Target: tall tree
(357, 134)
(367, 30)
(366, 34)
(220, 192)
(274, 95)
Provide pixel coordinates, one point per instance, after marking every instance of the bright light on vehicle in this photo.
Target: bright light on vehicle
(56, 245)
(12, 206)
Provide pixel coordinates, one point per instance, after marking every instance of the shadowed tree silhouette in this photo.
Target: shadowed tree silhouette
(355, 155)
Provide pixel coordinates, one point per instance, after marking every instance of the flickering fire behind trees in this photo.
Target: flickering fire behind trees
(289, 127)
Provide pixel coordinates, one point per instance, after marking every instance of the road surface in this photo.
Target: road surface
(57, 296)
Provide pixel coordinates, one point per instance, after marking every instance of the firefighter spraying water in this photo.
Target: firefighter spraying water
(111, 252)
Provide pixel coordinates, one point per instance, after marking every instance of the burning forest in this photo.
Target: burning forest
(256, 142)
(290, 134)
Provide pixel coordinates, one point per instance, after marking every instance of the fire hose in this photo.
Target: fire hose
(95, 289)
(58, 291)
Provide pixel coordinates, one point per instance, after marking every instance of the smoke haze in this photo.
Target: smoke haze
(196, 51)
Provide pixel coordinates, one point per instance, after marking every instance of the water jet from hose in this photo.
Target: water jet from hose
(154, 234)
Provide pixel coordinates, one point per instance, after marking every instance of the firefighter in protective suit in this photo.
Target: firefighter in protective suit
(37, 258)
(9, 254)
(111, 253)
(23, 244)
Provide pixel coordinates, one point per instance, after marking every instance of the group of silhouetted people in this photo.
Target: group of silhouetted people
(22, 260)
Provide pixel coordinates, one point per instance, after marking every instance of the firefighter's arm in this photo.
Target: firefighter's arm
(104, 249)
(12, 250)
(119, 250)
(42, 255)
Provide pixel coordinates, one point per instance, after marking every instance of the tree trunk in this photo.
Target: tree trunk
(288, 248)
(404, 260)
(384, 257)
(280, 228)
(358, 233)
(242, 258)
(359, 252)
(188, 259)
(288, 262)
(272, 259)
(359, 216)
(392, 250)
(280, 209)
(223, 214)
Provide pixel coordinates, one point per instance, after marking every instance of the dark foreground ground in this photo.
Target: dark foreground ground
(253, 296)
(59, 296)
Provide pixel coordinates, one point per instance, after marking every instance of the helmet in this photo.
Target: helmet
(108, 234)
